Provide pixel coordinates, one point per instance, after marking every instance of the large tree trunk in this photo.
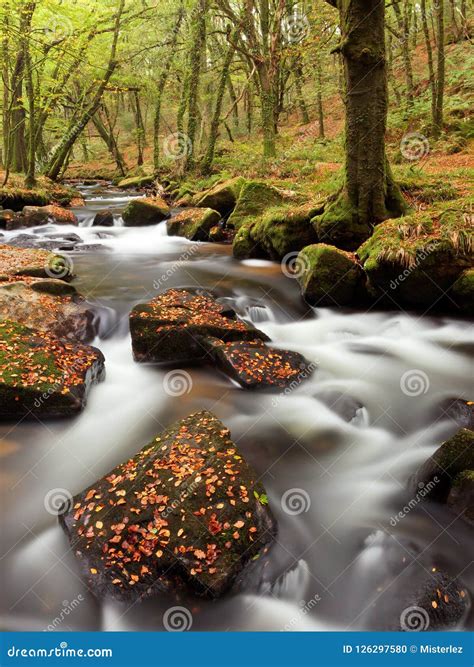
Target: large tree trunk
(369, 195)
(429, 52)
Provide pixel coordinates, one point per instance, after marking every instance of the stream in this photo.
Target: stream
(340, 446)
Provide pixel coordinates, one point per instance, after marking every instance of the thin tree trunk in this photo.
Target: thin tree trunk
(319, 98)
(429, 53)
(161, 86)
(108, 138)
(234, 102)
(298, 70)
(76, 128)
(216, 118)
(139, 128)
(195, 62)
(438, 119)
(403, 29)
(30, 180)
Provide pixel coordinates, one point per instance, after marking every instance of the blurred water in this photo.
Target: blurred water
(346, 440)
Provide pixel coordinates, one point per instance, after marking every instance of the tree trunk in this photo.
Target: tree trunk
(76, 128)
(298, 70)
(234, 102)
(403, 29)
(369, 195)
(319, 99)
(6, 89)
(161, 86)
(438, 116)
(108, 138)
(195, 62)
(267, 110)
(429, 53)
(139, 128)
(216, 119)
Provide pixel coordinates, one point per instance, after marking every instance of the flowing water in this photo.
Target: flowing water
(334, 453)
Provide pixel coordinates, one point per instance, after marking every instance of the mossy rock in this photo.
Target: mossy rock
(145, 211)
(463, 292)
(455, 456)
(340, 226)
(255, 198)
(185, 514)
(284, 230)
(221, 197)
(245, 247)
(329, 276)
(135, 182)
(194, 224)
(44, 376)
(47, 192)
(417, 259)
(32, 262)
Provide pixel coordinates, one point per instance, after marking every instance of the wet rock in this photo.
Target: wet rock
(145, 211)
(185, 513)
(329, 276)
(217, 234)
(221, 197)
(6, 218)
(184, 326)
(193, 223)
(448, 474)
(252, 364)
(34, 216)
(32, 262)
(51, 305)
(104, 218)
(463, 292)
(410, 592)
(43, 376)
(173, 327)
(453, 457)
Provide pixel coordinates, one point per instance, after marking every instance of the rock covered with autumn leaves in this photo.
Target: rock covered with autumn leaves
(42, 375)
(186, 512)
(181, 326)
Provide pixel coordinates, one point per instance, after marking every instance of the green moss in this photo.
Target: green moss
(145, 211)
(221, 197)
(463, 291)
(136, 182)
(193, 223)
(255, 198)
(339, 225)
(328, 276)
(456, 454)
(417, 258)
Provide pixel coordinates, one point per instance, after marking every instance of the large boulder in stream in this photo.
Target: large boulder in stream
(182, 326)
(145, 211)
(448, 475)
(44, 376)
(222, 197)
(32, 262)
(103, 218)
(329, 276)
(185, 513)
(48, 305)
(194, 224)
(136, 182)
(418, 260)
